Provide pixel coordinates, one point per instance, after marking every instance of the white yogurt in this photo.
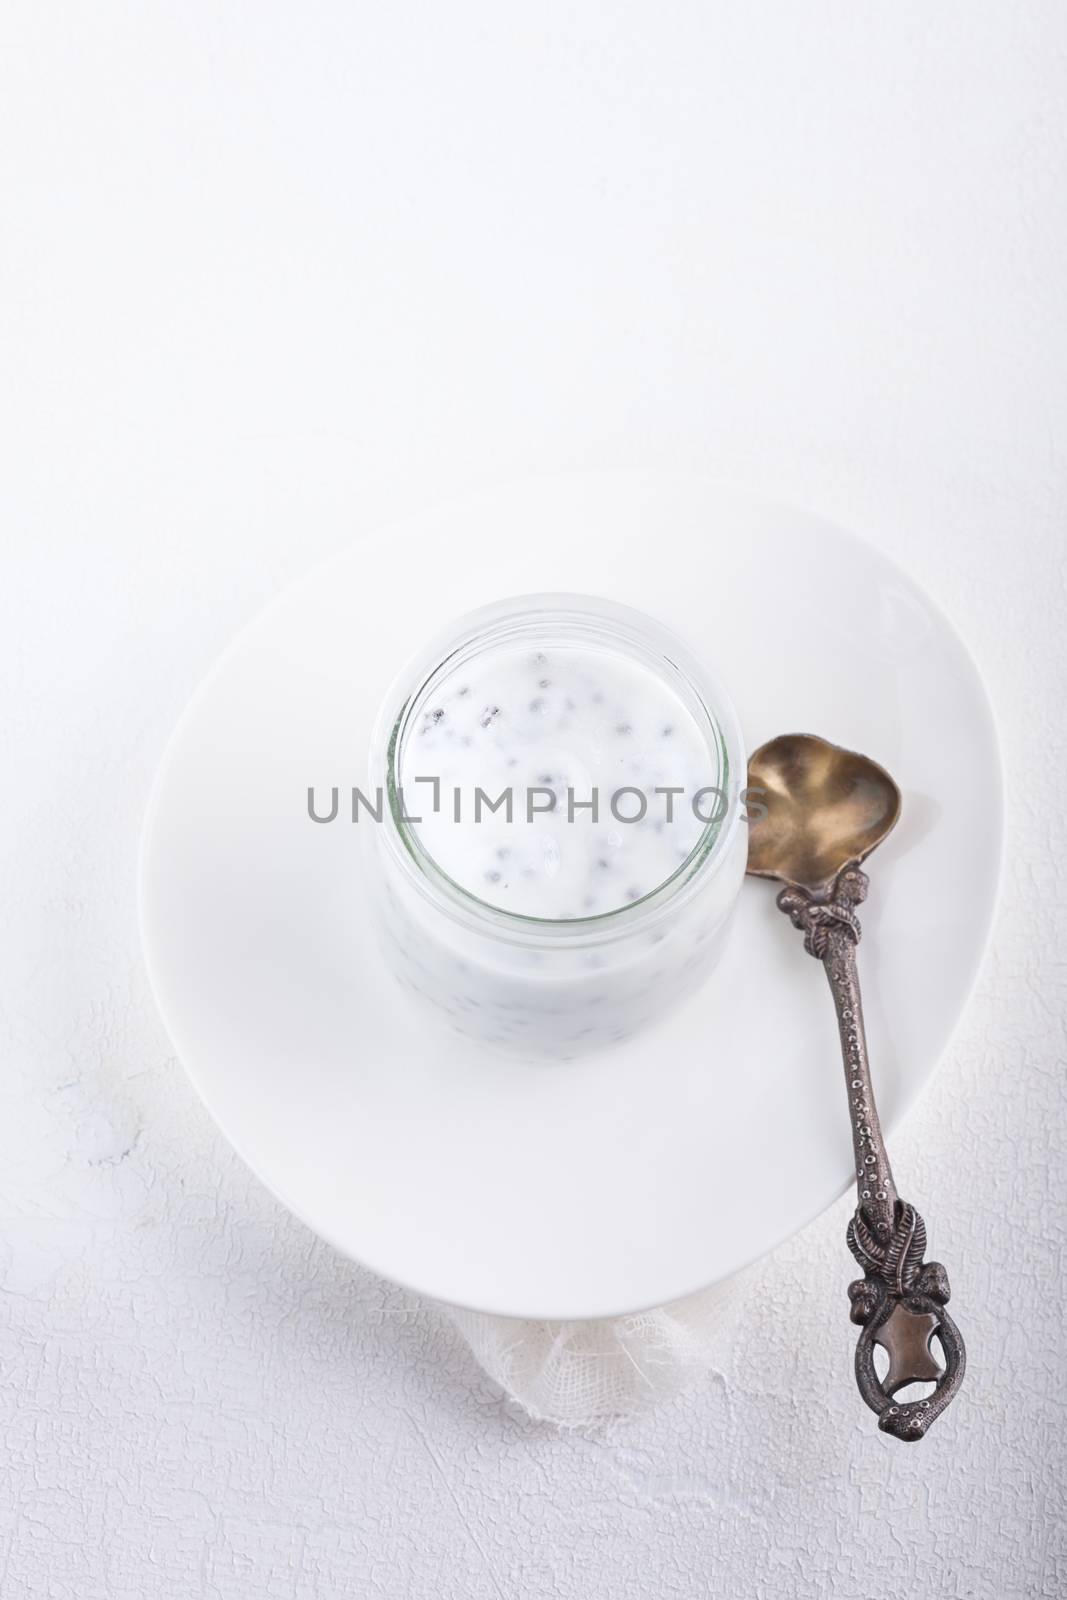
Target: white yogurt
(553, 932)
(576, 729)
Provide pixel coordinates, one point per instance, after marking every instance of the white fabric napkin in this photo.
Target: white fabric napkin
(579, 1373)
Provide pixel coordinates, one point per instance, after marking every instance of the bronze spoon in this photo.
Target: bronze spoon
(826, 810)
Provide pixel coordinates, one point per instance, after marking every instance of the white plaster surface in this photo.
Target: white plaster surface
(270, 271)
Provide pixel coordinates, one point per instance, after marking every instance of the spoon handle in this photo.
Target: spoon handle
(900, 1301)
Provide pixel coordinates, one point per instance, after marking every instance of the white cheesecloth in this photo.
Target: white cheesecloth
(578, 1373)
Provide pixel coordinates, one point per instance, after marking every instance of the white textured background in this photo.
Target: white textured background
(267, 271)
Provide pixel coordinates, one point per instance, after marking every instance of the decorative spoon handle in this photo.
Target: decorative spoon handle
(900, 1301)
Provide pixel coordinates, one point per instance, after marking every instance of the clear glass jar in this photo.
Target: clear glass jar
(555, 986)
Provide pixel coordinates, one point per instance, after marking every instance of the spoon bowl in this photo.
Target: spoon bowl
(826, 808)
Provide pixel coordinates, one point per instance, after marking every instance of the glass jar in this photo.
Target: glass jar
(554, 985)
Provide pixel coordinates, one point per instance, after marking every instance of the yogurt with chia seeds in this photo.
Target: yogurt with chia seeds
(573, 773)
(562, 843)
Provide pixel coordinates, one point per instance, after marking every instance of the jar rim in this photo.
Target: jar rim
(503, 619)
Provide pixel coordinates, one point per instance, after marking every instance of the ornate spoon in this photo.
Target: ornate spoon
(826, 810)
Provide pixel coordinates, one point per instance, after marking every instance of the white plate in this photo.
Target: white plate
(631, 1178)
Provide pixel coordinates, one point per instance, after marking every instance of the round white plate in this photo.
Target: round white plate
(630, 1178)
